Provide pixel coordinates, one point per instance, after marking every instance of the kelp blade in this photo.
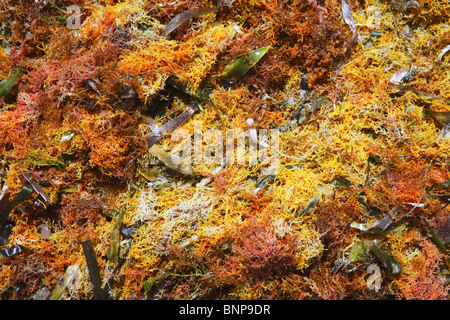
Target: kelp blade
(438, 241)
(27, 189)
(350, 21)
(106, 290)
(442, 118)
(5, 210)
(309, 206)
(241, 64)
(181, 18)
(94, 271)
(7, 84)
(36, 187)
(348, 16)
(168, 160)
(366, 250)
(174, 81)
(444, 232)
(443, 53)
(8, 252)
(177, 121)
(169, 126)
(378, 226)
(388, 261)
(113, 251)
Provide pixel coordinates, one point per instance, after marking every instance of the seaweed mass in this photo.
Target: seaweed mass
(224, 149)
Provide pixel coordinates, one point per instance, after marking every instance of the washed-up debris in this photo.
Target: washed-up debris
(92, 85)
(435, 236)
(402, 89)
(159, 178)
(388, 262)
(445, 133)
(304, 107)
(45, 232)
(444, 184)
(171, 125)
(4, 195)
(41, 294)
(68, 136)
